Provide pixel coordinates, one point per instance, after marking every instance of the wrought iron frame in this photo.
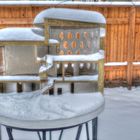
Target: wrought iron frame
(44, 131)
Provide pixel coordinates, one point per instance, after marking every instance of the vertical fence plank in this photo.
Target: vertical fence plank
(131, 44)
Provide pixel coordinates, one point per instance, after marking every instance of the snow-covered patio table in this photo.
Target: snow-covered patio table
(38, 112)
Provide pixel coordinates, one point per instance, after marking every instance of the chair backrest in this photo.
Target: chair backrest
(76, 40)
(74, 37)
(78, 32)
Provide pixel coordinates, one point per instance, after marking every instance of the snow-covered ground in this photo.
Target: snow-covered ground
(119, 121)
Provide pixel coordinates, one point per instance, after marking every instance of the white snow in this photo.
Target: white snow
(49, 63)
(80, 58)
(77, 78)
(38, 31)
(122, 3)
(53, 41)
(136, 63)
(102, 32)
(36, 106)
(45, 68)
(19, 34)
(27, 2)
(69, 14)
(116, 64)
(136, 3)
(20, 78)
(120, 63)
(41, 59)
(119, 120)
(82, 78)
(42, 3)
(24, 34)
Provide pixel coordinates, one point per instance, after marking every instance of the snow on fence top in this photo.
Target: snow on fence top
(42, 3)
(71, 15)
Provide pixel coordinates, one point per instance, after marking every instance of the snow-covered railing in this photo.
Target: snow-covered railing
(78, 58)
(20, 78)
(76, 62)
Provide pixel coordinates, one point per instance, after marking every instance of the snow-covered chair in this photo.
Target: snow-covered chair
(21, 46)
(79, 57)
(37, 112)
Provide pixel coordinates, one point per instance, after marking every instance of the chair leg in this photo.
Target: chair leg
(94, 128)
(51, 91)
(44, 135)
(50, 133)
(87, 130)
(72, 87)
(79, 132)
(61, 133)
(39, 136)
(9, 132)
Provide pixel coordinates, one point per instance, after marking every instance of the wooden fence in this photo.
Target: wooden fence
(122, 42)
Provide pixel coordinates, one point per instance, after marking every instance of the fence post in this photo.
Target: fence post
(131, 45)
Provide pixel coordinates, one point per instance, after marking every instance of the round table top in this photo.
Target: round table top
(38, 111)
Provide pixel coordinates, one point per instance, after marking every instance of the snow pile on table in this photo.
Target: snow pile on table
(26, 106)
(119, 120)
